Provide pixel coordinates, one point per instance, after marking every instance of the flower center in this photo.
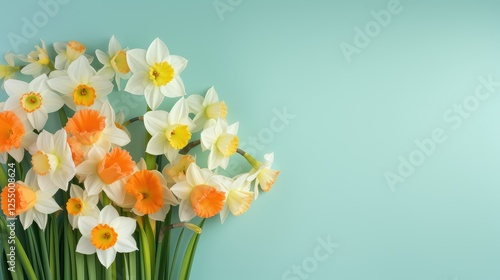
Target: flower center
(30, 102)
(86, 126)
(44, 163)
(84, 95)
(74, 206)
(227, 144)
(116, 165)
(11, 131)
(103, 237)
(178, 135)
(216, 110)
(147, 189)
(25, 199)
(161, 73)
(207, 201)
(43, 57)
(119, 62)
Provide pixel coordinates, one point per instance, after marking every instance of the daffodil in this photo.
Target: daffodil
(69, 52)
(81, 204)
(32, 204)
(38, 62)
(262, 173)
(16, 135)
(155, 73)
(82, 88)
(9, 70)
(106, 235)
(175, 171)
(221, 140)
(88, 128)
(238, 196)
(201, 194)
(51, 160)
(33, 100)
(206, 108)
(151, 192)
(114, 61)
(170, 131)
(106, 171)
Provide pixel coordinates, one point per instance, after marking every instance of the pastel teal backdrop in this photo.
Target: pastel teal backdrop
(384, 117)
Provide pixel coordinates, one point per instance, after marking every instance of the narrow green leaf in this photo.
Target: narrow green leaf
(189, 255)
(176, 251)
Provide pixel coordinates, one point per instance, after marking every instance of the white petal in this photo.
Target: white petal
(62, 84)
(106, 257)
(106, 72)
(208, 137)
(194, 175)
(156, 145)
(214, 159)
(224, 213)
(86, 224)
(115, 191)
(233, 129)
(136, 60)
(177, 62)
(45, 142)
(38, 84)
(195, 102)
(108, 214)
(47, 205)
(157, 52)
(15, 87)
(26, 218)
(52, 101)
(17, 154)
(186, 211)
(156, 121)
(211, 97)
(102, 57)
(174, 89)
(116, 136)
(80, 71)
(160, 214)
(182, 190)
(85, 246)
(137, 83)
(124, 226)
(126, 245)
(38, 118)
(32, 69)
(153, 96)
(93, 184)
(102, 87)
(40, 219)
(114, 46)
(179, 111)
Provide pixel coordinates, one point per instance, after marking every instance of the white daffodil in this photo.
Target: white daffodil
(69, 52)
(38, 62)
(51, 160)
(106, 235)
(206, 108)
(262, 173)
(32, 204)
(9, 70)
(16, 135)
(114, 61)
(151, 193)
(221, 140)
(106, 171)
(201, 194)
(82, 87)
(80, 205)
(238, 196)
(88, 128)
(34, 100)
(155, 73)
(170, 131)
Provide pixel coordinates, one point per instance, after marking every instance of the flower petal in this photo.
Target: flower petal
(85, 246)
(86, 224)
(106, 257)
(136, 59)
(156, 145)
(137, 83)
(157, 52)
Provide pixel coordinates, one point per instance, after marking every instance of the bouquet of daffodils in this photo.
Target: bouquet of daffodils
(99, 213)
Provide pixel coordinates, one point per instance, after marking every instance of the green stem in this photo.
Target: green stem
(3, 177)
(132, 120)
(145, 254)
(189, 255)
(189, 146)
(176, 251)
(45, 255)
(91, 269)
(150, 159)
(63, 117)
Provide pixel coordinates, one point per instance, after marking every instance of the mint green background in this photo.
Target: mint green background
(353, 121)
